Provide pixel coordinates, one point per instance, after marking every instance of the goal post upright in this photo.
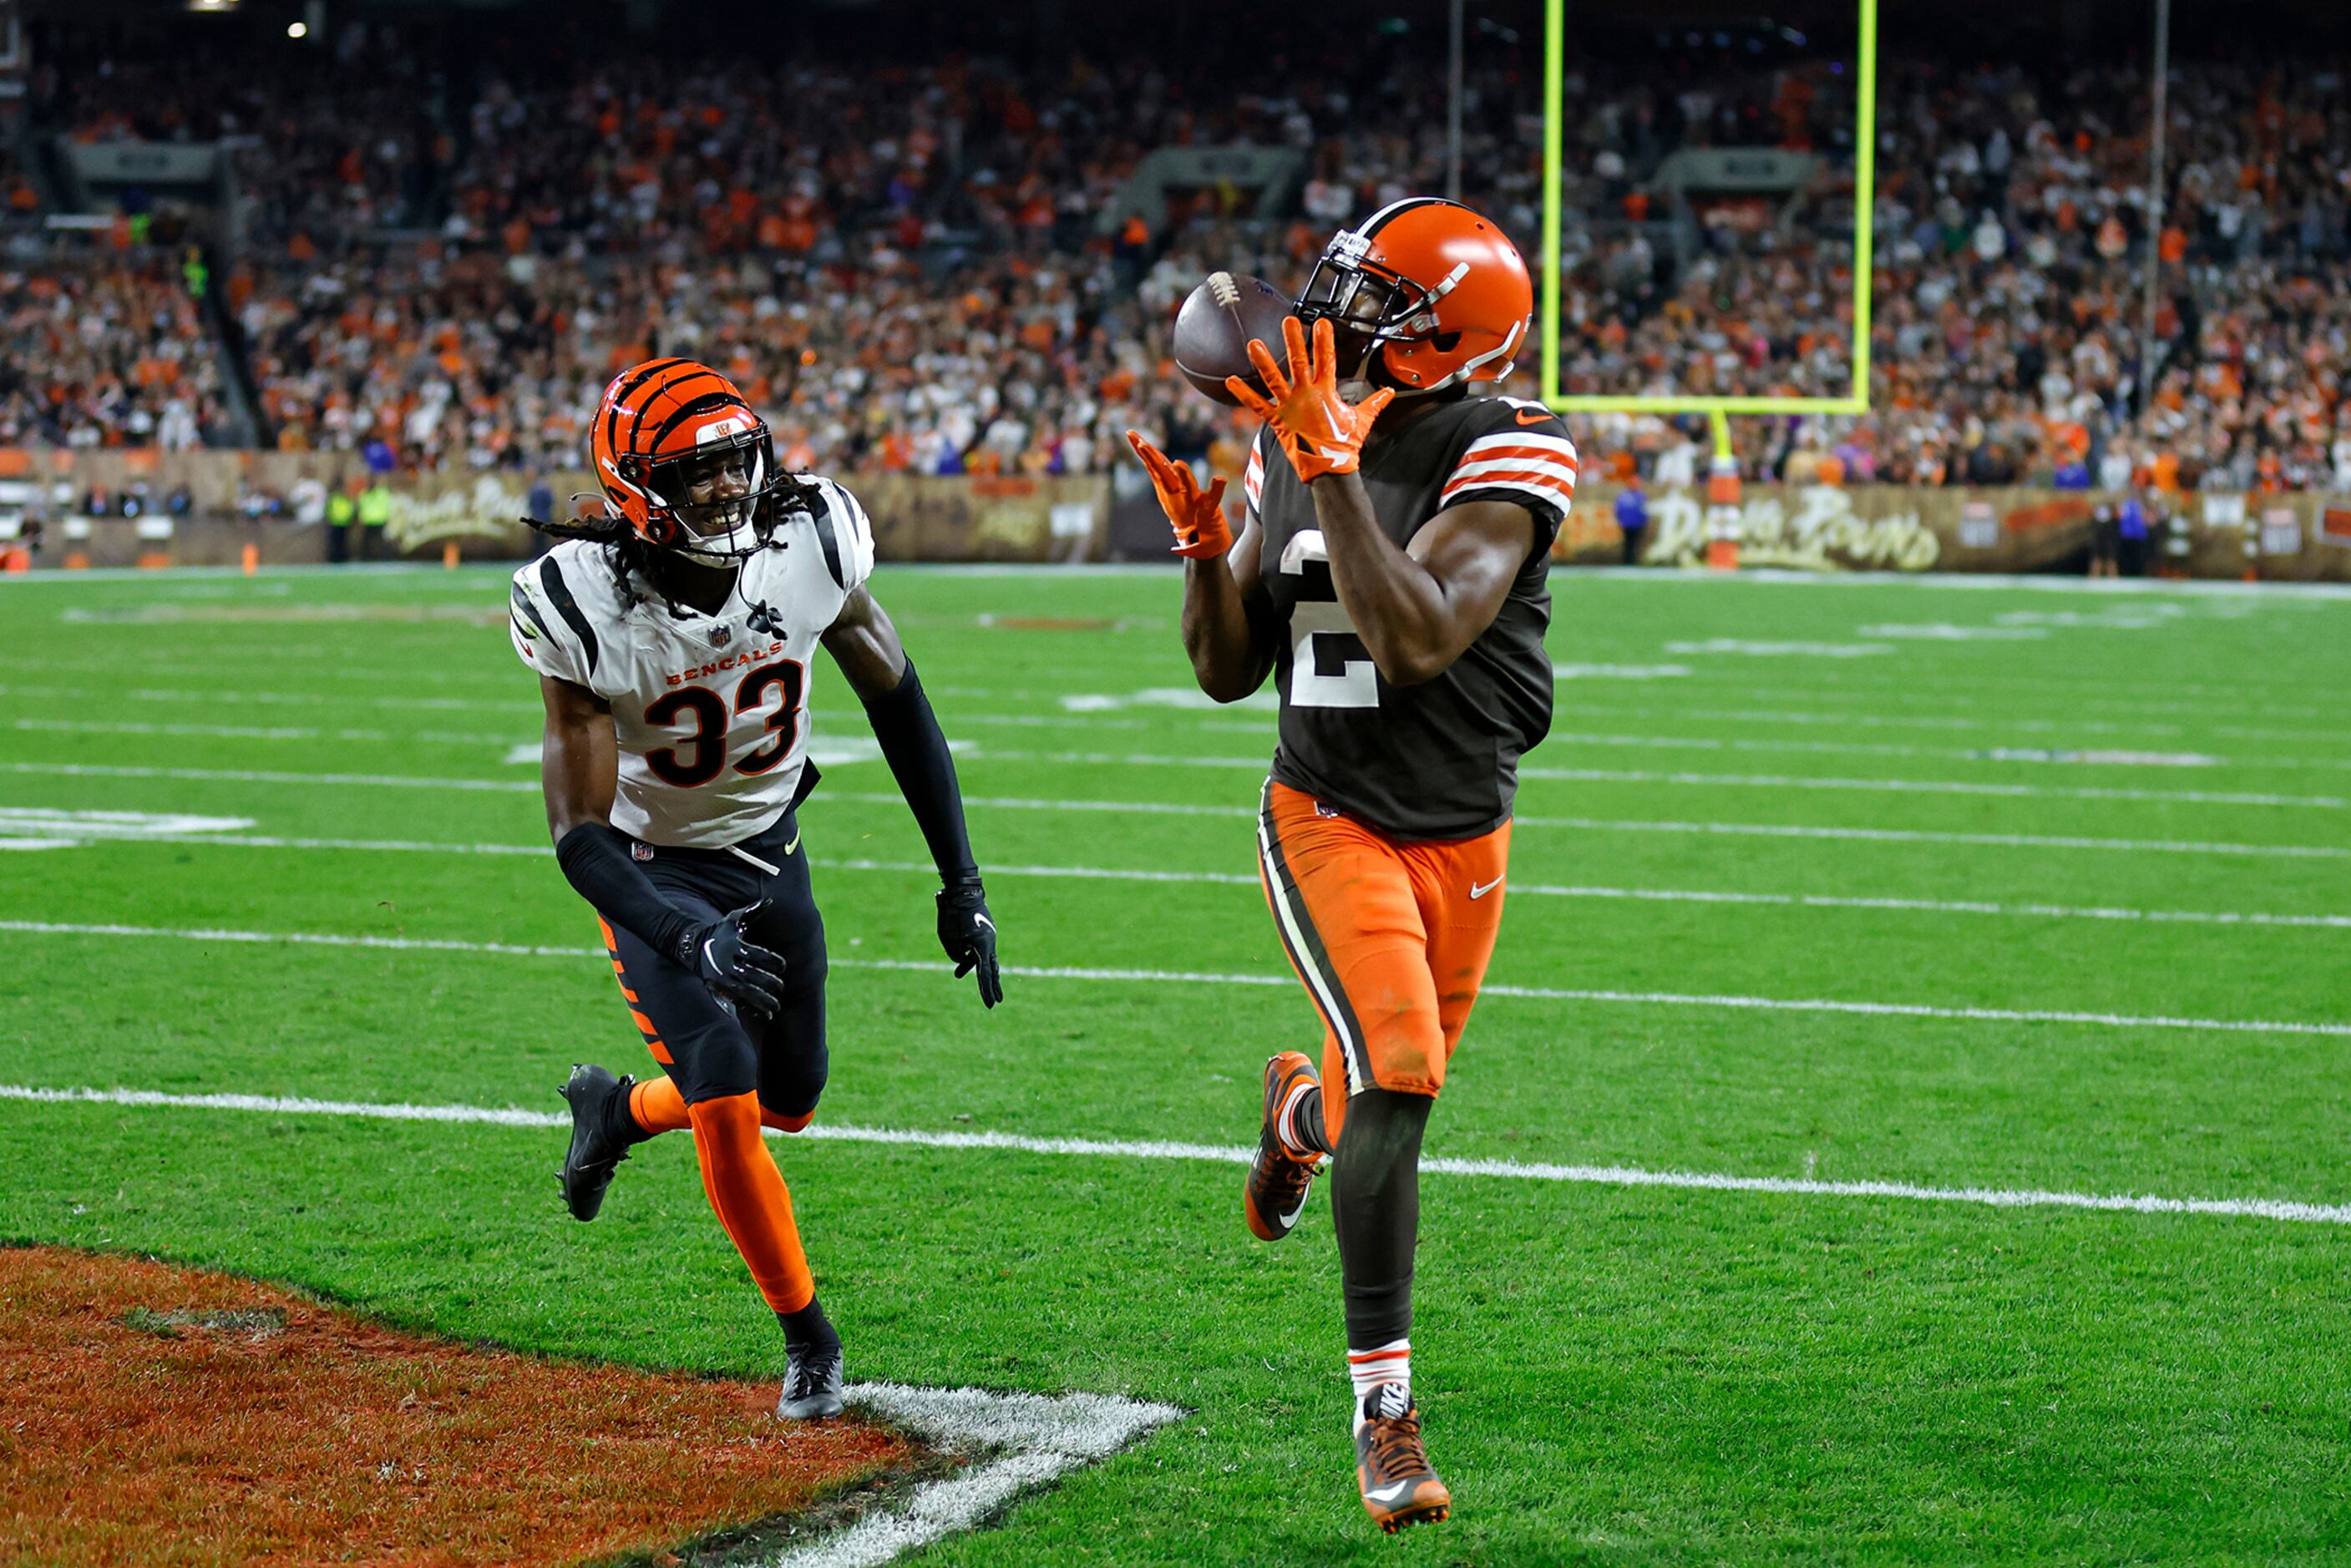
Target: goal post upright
(1864, 181)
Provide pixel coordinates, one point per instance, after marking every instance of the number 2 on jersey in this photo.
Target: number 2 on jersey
(707, 741)
(1321, 634)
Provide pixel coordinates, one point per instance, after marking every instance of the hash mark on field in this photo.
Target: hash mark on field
(2277, 1209)
(1198, 977)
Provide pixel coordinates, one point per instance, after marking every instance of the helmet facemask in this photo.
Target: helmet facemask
(1369, 306)
(744, 496)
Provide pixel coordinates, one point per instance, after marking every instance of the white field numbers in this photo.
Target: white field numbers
(1357, 683)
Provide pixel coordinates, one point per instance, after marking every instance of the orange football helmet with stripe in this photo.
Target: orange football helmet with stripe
(666, 425)
(1430, 294)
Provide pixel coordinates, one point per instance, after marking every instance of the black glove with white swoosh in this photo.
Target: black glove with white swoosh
(967, 932)
(734, 967)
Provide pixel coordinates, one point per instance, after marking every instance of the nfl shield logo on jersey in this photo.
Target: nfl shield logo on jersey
(640, 851)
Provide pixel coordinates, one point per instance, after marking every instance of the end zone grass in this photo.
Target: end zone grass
(1611, 1374)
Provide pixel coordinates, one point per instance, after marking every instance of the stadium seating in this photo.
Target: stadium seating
(909, 266)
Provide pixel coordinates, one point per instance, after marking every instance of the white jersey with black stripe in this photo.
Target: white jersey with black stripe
(711, 712)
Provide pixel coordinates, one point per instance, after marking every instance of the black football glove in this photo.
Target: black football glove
(967, 932)
(733, 966)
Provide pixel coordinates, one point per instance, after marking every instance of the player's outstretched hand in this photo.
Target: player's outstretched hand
(967, 932)
(733, 966)
(1320, 431)
(1198, 516)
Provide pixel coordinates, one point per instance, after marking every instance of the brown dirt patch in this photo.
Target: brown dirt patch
(159, 1415)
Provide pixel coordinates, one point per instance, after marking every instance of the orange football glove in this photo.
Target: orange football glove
(1322, 432)
(1198, 516)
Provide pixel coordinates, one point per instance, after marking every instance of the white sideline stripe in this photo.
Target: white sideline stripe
(1752, 781)
(1120, 1148)
(1201, 977)
(1237, 880)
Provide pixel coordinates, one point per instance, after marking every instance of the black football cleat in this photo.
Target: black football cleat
(589, 1163)
(1400, 1487)
(811, 1382)
(1275, 1194)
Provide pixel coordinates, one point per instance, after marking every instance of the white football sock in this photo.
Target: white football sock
(1390, 1364)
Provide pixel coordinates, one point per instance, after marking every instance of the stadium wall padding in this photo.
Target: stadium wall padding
(916, 518)
(922, 518)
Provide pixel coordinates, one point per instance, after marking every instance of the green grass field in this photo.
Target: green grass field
(1987, 792)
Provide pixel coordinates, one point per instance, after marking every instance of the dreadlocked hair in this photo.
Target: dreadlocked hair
(626, 555)
(624, 551)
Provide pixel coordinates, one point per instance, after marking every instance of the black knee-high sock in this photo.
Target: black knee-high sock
(1305, 1128)
(1375, 1208)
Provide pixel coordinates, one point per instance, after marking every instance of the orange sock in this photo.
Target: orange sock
(748, 1195)
(657, 1107)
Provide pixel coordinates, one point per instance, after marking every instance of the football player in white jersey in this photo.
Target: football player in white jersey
(673, 637)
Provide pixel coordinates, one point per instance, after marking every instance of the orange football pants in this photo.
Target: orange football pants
(1391, 938)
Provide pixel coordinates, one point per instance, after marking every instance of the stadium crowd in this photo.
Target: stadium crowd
(911, 268)
(100, 347)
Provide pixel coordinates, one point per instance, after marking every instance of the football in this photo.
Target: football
(1213, 328)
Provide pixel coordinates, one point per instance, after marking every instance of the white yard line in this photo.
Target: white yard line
(206, 700)
(1132, 1149)
(268, 775)
(267, 732)
(1241, 879)
(1202, 977)
(1189, 808)
(1257, 764)
(1743, 781)
(2086, 756)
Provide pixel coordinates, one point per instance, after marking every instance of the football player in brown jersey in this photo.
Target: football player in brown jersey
(1390, 576)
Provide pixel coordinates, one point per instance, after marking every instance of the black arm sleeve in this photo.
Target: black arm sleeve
(595, 859)
(916, 751)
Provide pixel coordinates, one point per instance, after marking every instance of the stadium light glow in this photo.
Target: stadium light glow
(298, 29)
(1864, 190)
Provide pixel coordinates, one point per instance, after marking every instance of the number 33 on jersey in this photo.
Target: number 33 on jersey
(711, 713)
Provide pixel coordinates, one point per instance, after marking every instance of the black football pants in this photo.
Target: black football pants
(707, 1051)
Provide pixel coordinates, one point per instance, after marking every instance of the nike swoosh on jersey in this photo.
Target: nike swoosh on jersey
(1476, 892)
(795, 844)
(1533, 416)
